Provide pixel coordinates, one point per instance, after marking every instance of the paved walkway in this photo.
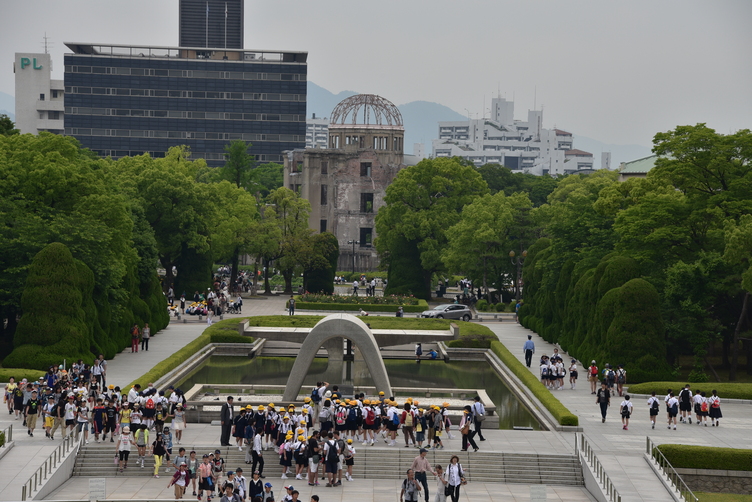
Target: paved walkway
(621, 451)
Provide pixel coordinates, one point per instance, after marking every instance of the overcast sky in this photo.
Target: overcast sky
(614, 71)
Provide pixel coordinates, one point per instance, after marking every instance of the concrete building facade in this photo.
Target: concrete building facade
(524, 146)
(317, 132)
(39, 98)
(126, 100)
(346, 182)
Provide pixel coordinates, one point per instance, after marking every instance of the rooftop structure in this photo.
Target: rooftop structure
(214, 24)
(638, 168)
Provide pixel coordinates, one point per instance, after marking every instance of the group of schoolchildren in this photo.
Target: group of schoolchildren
(553, 372)
(680, 408)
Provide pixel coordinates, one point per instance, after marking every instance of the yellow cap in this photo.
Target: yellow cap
(381, 393)
(302, 422)
(421, 410)
(366, 401)
(291, 406)
(301, 438)
(349, 441)
(249, 407)
(271, 405)
(445, 405)
(261, 407)
(307, 400)
(336, 401)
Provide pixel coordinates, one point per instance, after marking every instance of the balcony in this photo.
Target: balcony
(55, 105)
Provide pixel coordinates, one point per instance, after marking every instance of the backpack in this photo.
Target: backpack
(675, 408)
(370, 416)
(409, 488)
(419, 350)
(625, 410)
(409, 419)
(654, 406)
(621, 376)
(704, 407)
(341, 416)
(315, 397)
(352, 415)
(610, 375)
(544, 371)
(149, 404)
(594, 371)
(332, 455)
(395, 418)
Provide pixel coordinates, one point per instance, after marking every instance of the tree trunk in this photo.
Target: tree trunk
(735, 342)
(267, 289)
(485, 286)
(287, 274)
(726, 348)
(234, 271)
(715, 374)
(169, 278)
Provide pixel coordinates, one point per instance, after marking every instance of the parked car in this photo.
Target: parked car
(450, 311)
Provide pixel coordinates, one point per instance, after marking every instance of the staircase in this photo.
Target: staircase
(96, 460)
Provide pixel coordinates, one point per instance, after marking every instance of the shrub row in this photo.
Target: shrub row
(358, 300)
(558, 410)
(707, 457)
(19, 374)
(484, 306)
(221, 332)
(727, 390)
(368, 307)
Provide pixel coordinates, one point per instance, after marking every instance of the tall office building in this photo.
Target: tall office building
(215, 24)
(39, 99)
(126, 100)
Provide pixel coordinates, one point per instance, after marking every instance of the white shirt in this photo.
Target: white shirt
(626, 403)
(698, 399)
(132, 395)
(70, 411)
(453, 474)
(257, 443)
(478, 408)
(651, 400)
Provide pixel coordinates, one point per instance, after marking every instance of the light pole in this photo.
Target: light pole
(518, 263)
(353, 253)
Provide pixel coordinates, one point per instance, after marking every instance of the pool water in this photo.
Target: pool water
(402, 373)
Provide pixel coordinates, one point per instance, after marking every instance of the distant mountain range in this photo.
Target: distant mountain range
(421, 120)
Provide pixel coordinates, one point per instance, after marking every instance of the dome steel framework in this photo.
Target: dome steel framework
(369, 108)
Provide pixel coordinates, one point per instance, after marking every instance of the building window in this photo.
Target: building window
(366, 203)
(41, 97)
(322, 226)
(54, 94)
(295, 187)
(366, 235)
(53, 115)
(324, 193)
(365, 169)
(324, 167)
(297, 166)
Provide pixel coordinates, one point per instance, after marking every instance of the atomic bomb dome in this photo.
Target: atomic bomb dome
(367, 110)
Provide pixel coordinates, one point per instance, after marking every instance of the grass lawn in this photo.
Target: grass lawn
(723, 497)
(725, 390)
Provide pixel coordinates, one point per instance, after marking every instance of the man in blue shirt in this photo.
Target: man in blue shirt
(529, 350)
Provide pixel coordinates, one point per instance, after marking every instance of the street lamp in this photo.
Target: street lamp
(518, 263)
(353, 253)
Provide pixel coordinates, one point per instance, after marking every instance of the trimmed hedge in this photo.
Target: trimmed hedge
(725, 390)
(2, 439)
(221, 332)
(20, 374)
(557, 409)
(707, 457)
(420, 307)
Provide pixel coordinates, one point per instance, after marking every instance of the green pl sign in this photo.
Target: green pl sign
(26, 62)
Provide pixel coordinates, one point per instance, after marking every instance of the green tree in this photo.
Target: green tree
(269, 177)
(422, 203)
(320, 264)
(7, 127)
(239, 165)
(52, 326)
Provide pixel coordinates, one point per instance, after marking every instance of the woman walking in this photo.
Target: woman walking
(715, 409)
(179, 423)
(466, 425)
(603, 399)
(123, 447)
(455, 478)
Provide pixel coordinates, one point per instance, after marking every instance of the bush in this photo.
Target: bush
(500, 307)
(558, 410)
(2, 439)
(420, 305)
(707, 457)
(481, 305)
(20, 374)
(725, 390)
(512, 306)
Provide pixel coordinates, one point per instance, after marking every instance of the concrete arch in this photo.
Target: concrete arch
(342, 326)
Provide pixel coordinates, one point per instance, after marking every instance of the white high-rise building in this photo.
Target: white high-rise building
(39, 99)
(519, 145)
(317, 132)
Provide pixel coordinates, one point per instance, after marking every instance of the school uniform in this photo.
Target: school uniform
(714, 403)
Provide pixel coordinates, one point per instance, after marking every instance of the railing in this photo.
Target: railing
(35, 482)
(600, 473)
(8, 434)
(668, 470)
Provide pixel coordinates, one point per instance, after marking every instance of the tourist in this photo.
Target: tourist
(349, 457)
(669, 393)
(110, 419)
(193, 464)
(400, 312)
(141, 435)
(593, 376)
(240, 484)
(256, 454)
(270, 426)
(355, 288)
(418, 352)
(528, 349)
(685, 404)
(291, 305)
(331, 459)
(313, 449)
(70, 415)
(218, 468)
(123, 447)
(673, 409)
(447, 421)
(135, 335)
(609, 376)
(544, 371)
(420, 466)
(255, 486)
(82, 420)
(653, 406)
(573, 374)
(145, 335)
(410, 488)
(436, 427)
(603, 399)
(420, 428)
(441, 484)
(225, 417)
(10, 392)
(621, 379)
(701, 408)
(32, 410)
(285, 452)
(180, 480)
(98, 419)
(466, 424)
(206, 481)
(626, 411)
(48, 413)
(179, 424)
(268, 494)
(158, 451)
(479, 415)
(455, 477)
(392, 421)
(715, 409)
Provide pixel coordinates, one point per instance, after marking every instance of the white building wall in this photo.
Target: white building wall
(39, 99)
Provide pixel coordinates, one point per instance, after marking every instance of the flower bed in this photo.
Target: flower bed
(311, 301)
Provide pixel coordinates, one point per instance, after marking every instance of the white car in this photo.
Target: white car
(448, 311)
